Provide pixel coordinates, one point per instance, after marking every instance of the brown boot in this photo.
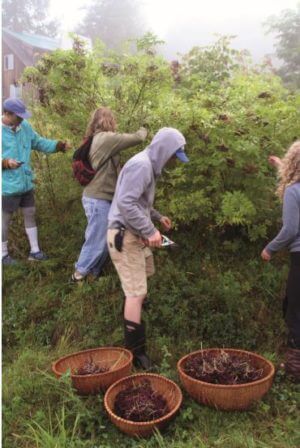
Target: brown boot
(292, 363)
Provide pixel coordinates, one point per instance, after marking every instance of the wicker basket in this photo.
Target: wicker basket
(119, 360)
(165, 387)
(228, 397)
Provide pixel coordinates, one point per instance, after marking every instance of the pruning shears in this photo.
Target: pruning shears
(166, 242)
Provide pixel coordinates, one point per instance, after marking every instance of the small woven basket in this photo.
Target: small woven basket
(117, 359)
(225, 396)
(165, 387)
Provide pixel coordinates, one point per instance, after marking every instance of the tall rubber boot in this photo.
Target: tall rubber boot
(135, 340)
(292, 363)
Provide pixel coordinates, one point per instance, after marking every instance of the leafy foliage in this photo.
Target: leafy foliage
(233, 121)
(212, 291)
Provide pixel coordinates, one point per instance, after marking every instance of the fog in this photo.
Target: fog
(184, 24)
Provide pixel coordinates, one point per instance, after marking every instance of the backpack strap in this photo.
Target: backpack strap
(105, 161)
(82, 153)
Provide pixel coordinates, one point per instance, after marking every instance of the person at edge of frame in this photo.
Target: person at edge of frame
(289, 237)
(18, 140)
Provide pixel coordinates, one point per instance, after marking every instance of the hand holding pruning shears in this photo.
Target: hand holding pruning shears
(154, 240)
(159, 240)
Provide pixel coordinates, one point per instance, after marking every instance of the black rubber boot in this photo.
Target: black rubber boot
(135, 340)
(146, 304)
(292, 364)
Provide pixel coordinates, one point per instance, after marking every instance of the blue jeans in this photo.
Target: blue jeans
(94, 250)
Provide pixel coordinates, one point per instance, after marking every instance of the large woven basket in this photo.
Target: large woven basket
(117, 359)
(228, 397)
(165, 387)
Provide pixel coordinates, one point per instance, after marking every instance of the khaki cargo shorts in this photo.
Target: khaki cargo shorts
(134, 264)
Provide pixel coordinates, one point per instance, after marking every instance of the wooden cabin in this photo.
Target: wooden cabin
(20, 50)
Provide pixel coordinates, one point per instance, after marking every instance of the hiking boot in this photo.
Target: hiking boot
(8, 260)
(37, 256)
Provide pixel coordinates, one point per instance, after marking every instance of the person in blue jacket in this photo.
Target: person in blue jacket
(18, 139)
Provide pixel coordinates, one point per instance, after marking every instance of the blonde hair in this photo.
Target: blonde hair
(289, 171)
(102, 120)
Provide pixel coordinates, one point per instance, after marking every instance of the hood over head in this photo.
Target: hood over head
(163, 146)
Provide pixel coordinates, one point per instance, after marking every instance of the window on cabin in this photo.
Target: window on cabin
(15, 91)
(9, 62)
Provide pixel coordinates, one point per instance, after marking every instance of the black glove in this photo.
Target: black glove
(61, 146)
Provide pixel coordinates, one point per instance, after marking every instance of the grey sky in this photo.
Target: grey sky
(186, 23)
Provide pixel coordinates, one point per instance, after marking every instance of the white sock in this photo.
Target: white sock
(33, 239)
(4, 248)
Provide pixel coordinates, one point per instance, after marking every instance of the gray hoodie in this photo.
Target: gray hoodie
(289, 235)
(135, 191)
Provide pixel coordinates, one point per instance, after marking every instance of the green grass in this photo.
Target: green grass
(197, 299)
(40, 411)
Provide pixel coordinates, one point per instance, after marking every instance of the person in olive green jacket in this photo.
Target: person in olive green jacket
(98, 194)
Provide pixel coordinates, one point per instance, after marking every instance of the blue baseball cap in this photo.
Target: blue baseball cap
(181, 155)
(17, 107)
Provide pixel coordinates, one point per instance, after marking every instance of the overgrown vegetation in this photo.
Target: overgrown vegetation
(213, 290)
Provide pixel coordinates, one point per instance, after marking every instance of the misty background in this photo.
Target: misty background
(184, 24)
(269, 30)
(181, 24)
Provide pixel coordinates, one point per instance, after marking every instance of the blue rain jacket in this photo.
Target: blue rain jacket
(18, 145)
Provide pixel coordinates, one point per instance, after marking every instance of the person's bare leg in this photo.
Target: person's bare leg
(133, 308)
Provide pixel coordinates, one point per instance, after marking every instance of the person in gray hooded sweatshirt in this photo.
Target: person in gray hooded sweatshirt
(131, 231)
